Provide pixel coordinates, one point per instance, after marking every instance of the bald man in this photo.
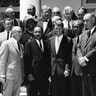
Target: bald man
(86, 53)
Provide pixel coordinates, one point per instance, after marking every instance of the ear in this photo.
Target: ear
(93, 20)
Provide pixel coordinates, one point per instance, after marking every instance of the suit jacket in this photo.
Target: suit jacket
(18, 22)
(48, 29)
(87, 47)
(36, 62)
(3, 36)
(11, 62)
(61, 60)
(76, 68)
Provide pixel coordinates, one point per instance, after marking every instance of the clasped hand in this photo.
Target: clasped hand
(82, 61)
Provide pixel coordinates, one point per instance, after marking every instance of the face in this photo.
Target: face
(8, 25)
(80, 14)
(18, 34)
(88, 21)
(11, 14)
(31, 10)
(46, 14)
(31, 25)
(68, 15)
(76, 28)
(58, 30)
(37, 33)
(56, 14)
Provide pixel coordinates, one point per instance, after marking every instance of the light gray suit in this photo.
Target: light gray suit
(11, 64)
(3, 36)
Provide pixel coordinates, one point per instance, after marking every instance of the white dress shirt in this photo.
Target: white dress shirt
(57, 42)
(38, 42)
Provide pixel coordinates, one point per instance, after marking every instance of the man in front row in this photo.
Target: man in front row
(37, 64)
(86, 52)
(11, 63)
(60, 47)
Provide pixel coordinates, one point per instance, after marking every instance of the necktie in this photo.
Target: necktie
(88, 35)
(18, 45)
(77, 39)
(69, 24)
(7, 35)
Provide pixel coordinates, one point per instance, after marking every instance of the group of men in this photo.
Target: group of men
(57, 58)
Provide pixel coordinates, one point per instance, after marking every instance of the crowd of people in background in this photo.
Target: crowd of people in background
(52, 55)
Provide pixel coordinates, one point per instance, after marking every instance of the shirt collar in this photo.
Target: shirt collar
(93, 29)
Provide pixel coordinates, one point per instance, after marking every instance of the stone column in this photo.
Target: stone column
(24, 4)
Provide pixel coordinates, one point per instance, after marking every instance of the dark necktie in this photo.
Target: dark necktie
(18, 45)
(40, 44)
(69, 24)
(7, 35)
(77, 39)
(88, 35)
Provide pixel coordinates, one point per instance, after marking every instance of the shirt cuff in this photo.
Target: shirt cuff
(2, 76)
(86, 59)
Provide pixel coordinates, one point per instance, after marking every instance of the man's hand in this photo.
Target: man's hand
(31, 77)
(82, 61)
(66, 73)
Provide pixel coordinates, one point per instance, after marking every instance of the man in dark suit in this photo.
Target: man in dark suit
(60, 47)
(76, 73)
(87, 55)
(37, 64)
(45, 22)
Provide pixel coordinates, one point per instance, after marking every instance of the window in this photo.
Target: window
(89, 4)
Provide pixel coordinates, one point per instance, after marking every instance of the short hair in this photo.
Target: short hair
(68, 9)
(56, 9)
(9, 9)
(59, 23)
(31, 7)
(9, 19)
(15, 29)
(83, 8)
(54, 18)
(79, 22)
(30, 20)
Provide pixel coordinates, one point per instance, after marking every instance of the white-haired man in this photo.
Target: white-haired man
(56, 12)
(11, 63)
(68, 12)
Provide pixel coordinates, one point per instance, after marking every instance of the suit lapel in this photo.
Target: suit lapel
(16, 47)
(90, 37)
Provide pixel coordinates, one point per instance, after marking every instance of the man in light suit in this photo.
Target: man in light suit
(37, 64)
(76, 72)
(86, 53)
(6, 34)
(11, 63)
(60, 47)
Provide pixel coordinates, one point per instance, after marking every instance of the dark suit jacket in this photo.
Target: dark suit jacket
(37, 62)
(48, 29)
(61, 60)
(76, 68)
(18, 22)
(88, 49)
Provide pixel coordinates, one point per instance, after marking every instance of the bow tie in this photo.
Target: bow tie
(45, 20)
